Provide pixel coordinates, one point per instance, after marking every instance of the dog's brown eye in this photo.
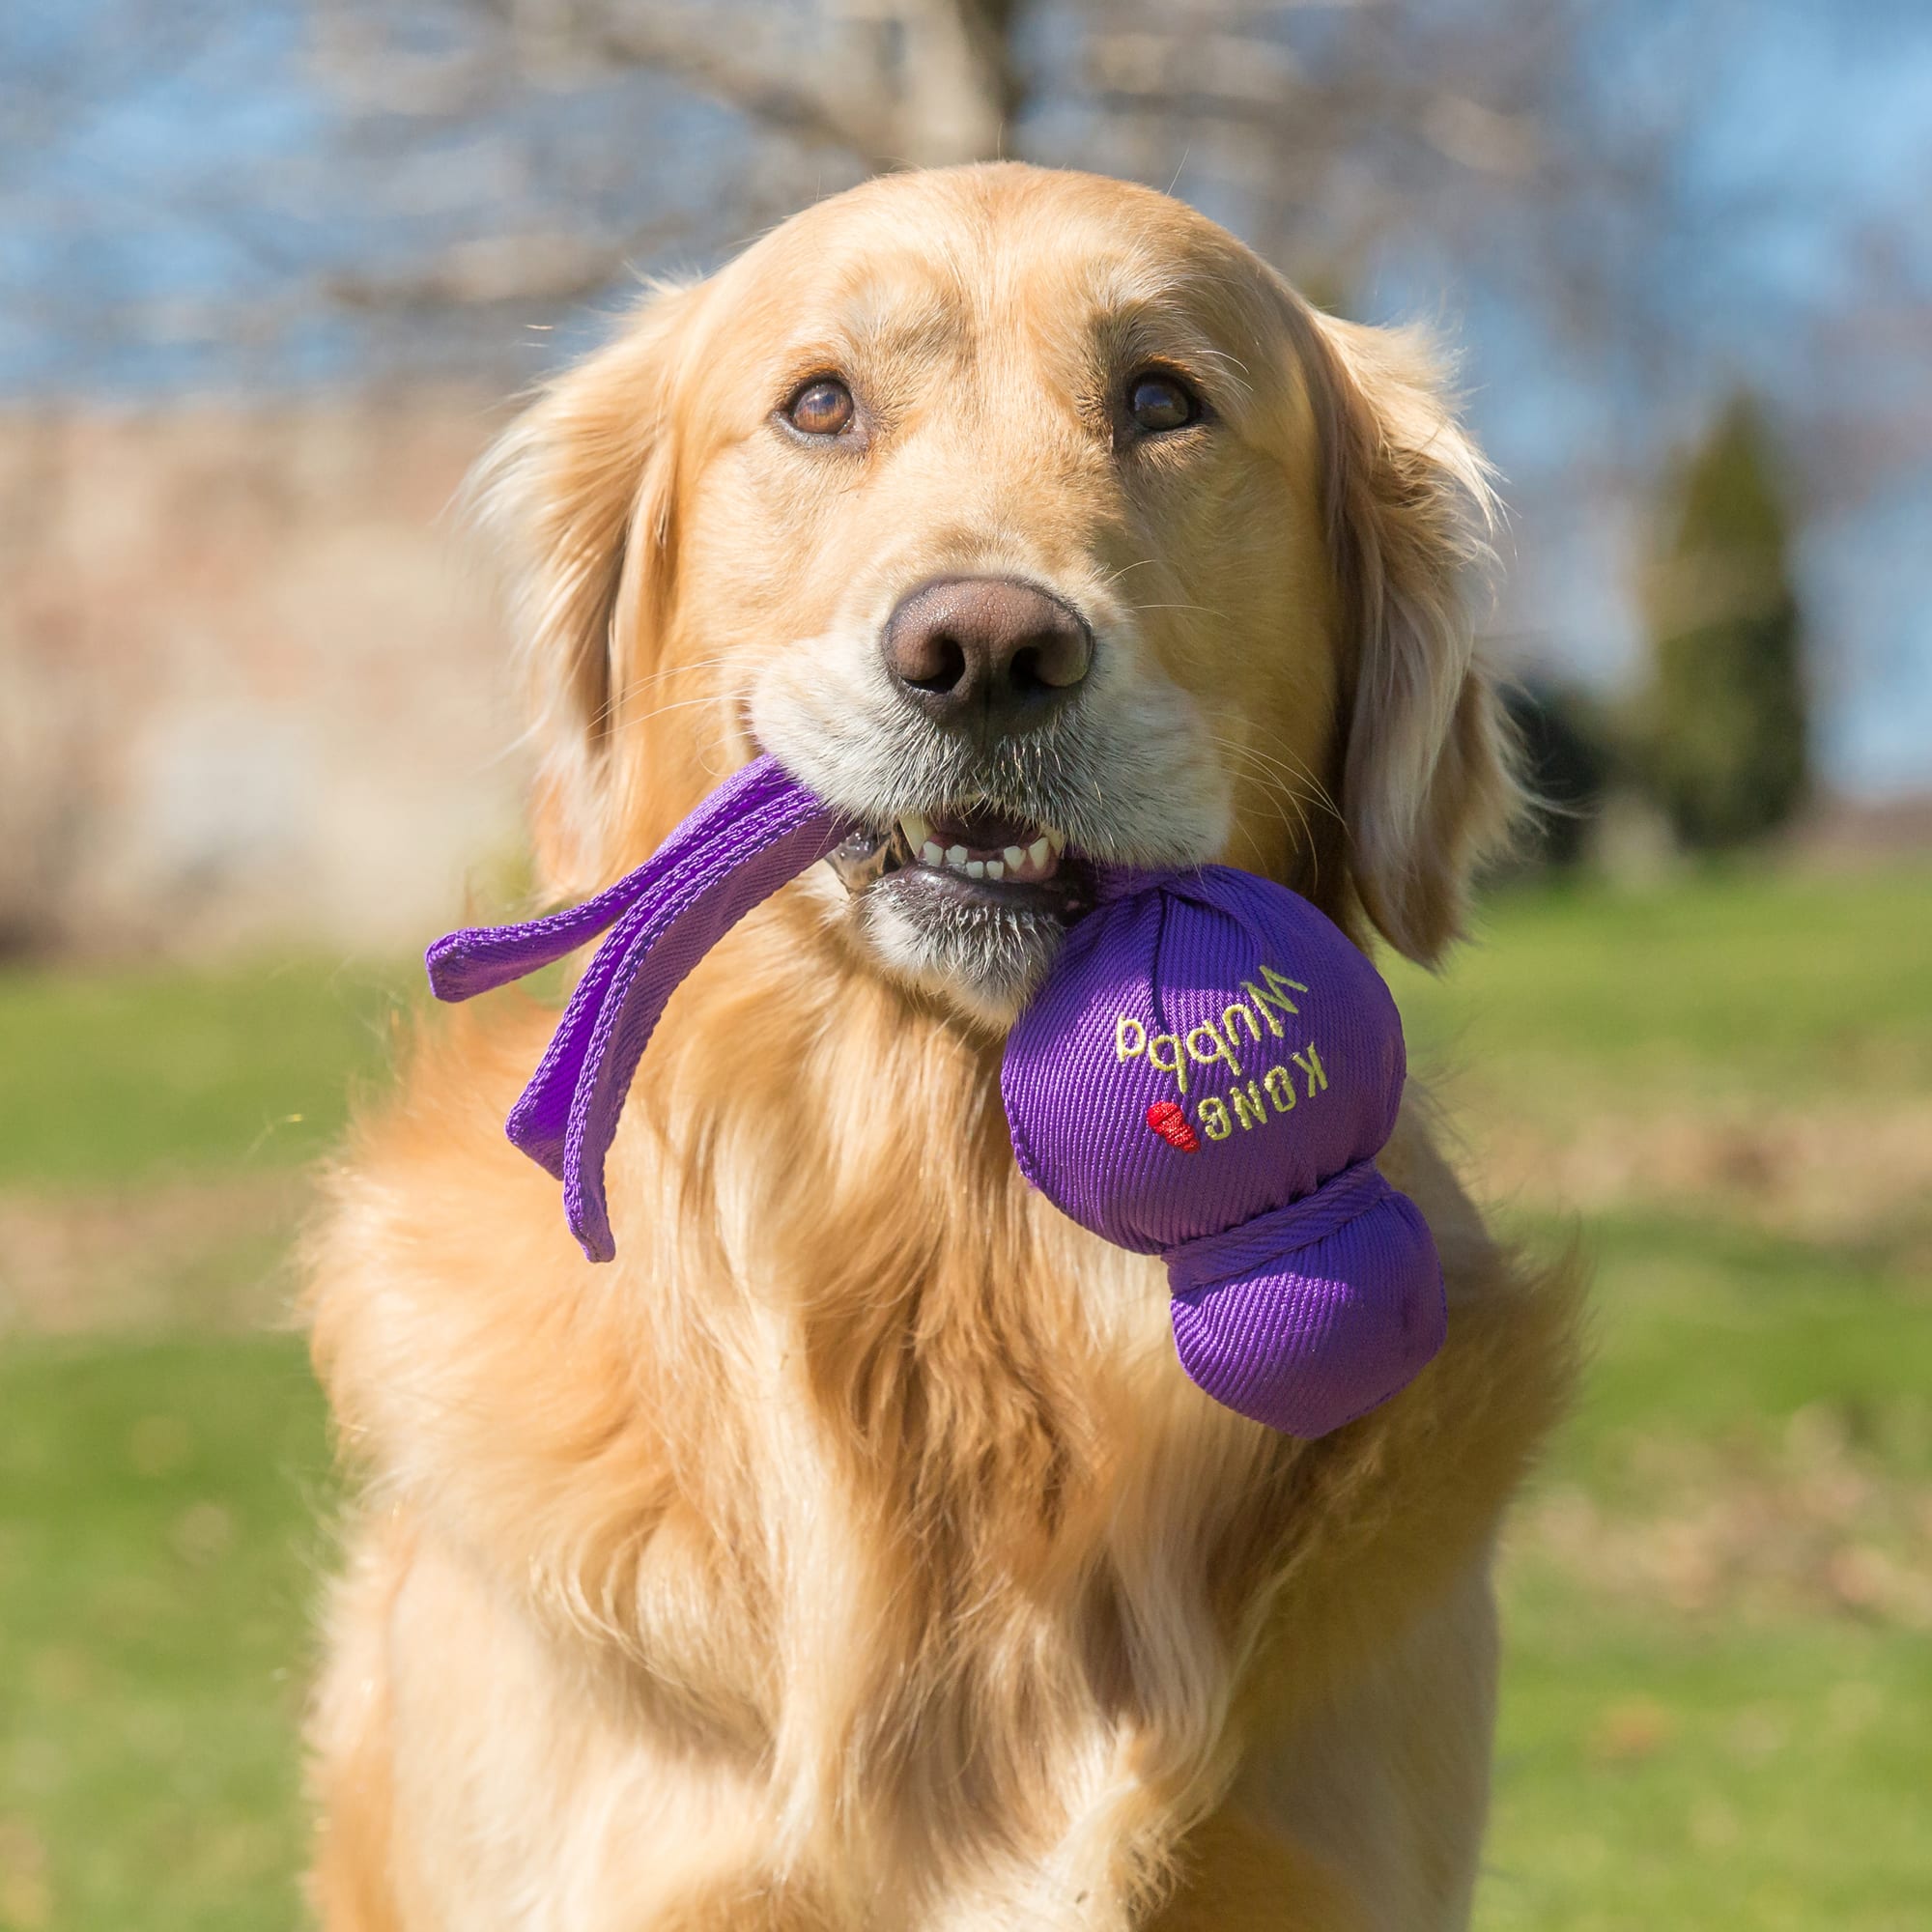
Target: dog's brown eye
(1158, 401)
(822, 408)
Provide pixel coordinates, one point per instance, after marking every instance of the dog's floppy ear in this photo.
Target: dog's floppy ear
(1428, 778)
(576, 497)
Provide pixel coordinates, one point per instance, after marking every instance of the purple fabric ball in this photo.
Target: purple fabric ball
(1207, 1074)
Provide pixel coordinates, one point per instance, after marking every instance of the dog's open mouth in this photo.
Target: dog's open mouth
(975, 855)
(971, 855)
(983, 845)
(970, 899)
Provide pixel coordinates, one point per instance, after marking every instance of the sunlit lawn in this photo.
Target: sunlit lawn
(113, 1077)
(1717, 1696)
(1718, 1706)
(163, 1491)
(156, 1550)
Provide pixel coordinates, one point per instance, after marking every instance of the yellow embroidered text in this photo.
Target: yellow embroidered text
(1279, 986)
(1254, 1103)
(1208, 1043)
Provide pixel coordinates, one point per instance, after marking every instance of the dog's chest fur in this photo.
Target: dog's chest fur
(862, 1481)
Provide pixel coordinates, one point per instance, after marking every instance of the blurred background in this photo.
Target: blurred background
(270, 272)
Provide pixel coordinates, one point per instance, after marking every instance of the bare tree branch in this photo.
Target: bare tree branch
(543, 266)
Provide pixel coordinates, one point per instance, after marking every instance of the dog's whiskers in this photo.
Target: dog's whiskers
(634, 687)
(1283, 794)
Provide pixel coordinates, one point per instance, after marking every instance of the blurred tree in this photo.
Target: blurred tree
(827, 92)
(1569, 758)
(1319, 126)
(1723, 725)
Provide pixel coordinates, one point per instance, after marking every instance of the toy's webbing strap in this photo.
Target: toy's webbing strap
(758, 830)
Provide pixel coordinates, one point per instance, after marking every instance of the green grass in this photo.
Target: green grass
(1751, 1758)
(1773, 1778)
(158, 1504)
(1725, 985)
(1717, 1696)
(1758, 1756)
(1706, 1331)
(118, 1076)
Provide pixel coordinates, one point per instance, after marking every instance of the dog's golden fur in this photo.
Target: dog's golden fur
(851, 1552)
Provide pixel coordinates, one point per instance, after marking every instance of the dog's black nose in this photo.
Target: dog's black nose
(987, 653)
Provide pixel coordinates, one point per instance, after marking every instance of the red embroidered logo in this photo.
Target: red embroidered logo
(1167, 1119)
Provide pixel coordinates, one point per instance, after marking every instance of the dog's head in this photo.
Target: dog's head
(1032, 520)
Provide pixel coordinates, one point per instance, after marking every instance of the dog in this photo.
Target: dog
(852, 1552)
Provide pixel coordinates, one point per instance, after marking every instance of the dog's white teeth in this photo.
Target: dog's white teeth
(1013, 863)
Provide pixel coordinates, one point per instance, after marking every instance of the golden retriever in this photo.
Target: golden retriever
(853, 1553)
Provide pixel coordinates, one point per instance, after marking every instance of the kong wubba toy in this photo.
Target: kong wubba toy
(1206, 1074)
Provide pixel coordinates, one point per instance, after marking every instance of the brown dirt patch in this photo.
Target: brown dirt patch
(211, 1254)
(1813, 1523)
(1832, 1173)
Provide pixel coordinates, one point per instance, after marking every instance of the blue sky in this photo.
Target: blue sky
(175, 183)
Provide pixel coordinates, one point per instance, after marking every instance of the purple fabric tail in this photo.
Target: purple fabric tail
(758, 830)
(479, 958)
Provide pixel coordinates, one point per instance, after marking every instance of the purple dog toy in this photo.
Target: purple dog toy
(1207, 1074)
